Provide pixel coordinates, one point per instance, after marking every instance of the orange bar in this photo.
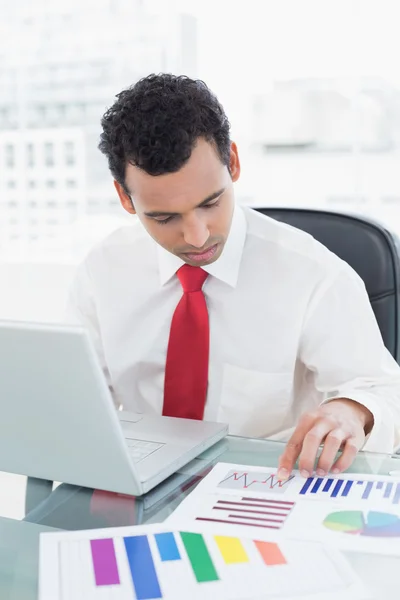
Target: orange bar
(270, 553)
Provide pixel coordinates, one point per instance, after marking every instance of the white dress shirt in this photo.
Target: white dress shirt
(291, 326)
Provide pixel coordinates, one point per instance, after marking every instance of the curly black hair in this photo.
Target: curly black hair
(155, 124)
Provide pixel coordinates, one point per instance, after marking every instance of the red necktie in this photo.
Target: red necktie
(186, 370)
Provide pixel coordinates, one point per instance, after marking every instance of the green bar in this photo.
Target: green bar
(200, 559)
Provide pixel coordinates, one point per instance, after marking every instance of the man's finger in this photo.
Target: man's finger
(332, 444)
(312, 441)
(351, 447)
(294, 446)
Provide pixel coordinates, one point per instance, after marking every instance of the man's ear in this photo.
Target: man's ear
(234, 163)
(124, 198)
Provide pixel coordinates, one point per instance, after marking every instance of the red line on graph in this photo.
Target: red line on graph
(271, 479)
(236, 522)
(257, 512)
(265, 505)
(256, 519)
(267, 501)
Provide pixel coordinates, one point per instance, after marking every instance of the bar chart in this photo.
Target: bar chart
(353, 489)
(267, 513)
(175, 565)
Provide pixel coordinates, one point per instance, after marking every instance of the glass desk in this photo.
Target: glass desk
(71, 507)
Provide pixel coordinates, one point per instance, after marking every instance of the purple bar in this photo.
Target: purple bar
(104, 562)
(367, 491)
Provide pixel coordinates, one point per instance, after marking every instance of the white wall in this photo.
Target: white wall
(34, 292)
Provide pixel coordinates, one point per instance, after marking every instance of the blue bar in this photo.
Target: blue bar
(142, 568)
(360, 482)
(396, 499)
(167, 547)
(367, 490)
(327, 485)
(379, 485)
(337, 488)
(317, 485)
(388, 490)
(307, 484)
(347, 488)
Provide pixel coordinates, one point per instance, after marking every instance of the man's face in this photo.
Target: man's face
(189, 213)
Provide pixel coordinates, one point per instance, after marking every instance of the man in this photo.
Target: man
(202, 309)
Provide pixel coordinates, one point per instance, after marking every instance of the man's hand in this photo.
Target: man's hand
(341, 423)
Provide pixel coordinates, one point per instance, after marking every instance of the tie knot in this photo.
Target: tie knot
(191, 278)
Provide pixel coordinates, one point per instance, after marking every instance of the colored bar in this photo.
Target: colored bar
(231, 549)
(307, 484)
(367, 490)
(256, 518)
(226, 505)
(347, 488)
(254, 512)
(337, 487)
(237, 522)
(396, 499)
(167, 547)
(199, 557)
(317, 485)
(379, 485)
(360, 482)
(142, 568)
(270, 553)
(388, 490)
(269, 501)
(104, 562)
(327, 485)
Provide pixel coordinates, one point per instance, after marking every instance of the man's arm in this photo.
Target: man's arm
(342, 345)
(81, 310)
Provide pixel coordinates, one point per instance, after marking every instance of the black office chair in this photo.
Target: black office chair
(368, 247)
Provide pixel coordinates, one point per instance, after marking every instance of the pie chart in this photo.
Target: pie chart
(357, 522)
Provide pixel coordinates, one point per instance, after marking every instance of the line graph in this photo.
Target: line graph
(255, 482)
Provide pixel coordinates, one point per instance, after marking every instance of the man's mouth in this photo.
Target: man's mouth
(202, 256)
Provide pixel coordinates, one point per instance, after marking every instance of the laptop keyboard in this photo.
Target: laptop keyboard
(139, 449)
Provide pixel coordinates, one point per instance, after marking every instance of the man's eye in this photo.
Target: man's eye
(163, 221)
(212, 205)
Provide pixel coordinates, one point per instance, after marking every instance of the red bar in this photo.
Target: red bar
(284, 508)
(256, 512)
(255, 518)
(270, 553)
(274, 501)
(236, 522)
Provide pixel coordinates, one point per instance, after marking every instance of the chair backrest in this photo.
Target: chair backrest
(369, 248)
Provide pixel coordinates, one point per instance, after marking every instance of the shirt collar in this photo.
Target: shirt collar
(226, 268)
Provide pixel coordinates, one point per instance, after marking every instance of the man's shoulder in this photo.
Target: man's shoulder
(121, 242)
(282, 240)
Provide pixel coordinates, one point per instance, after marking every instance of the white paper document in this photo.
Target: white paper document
(176, 563)
(350, 511)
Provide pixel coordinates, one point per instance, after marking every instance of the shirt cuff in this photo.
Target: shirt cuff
(381, 437)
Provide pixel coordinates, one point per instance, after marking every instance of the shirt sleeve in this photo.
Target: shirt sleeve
(81, 310)
(342, 345)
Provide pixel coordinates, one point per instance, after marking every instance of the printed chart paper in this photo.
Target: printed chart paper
(352, 512)
(155, 561)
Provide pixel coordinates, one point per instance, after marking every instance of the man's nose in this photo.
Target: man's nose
(196, 233)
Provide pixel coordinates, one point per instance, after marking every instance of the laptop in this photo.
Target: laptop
(58, 419)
